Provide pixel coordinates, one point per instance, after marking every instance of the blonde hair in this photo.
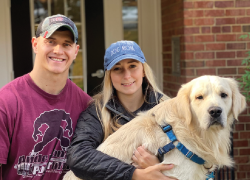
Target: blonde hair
(109, 124)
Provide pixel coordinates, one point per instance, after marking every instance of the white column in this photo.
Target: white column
(113, 25)
(6, 67)
(150, 37)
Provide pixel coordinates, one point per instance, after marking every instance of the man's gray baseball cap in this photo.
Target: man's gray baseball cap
(50, 24)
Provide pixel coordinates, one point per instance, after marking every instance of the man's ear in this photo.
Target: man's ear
(183, 103)
(34, 42)
(239, 101)
(76, 50)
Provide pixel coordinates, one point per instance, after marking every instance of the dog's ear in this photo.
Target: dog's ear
(239, 101)
(183, 103)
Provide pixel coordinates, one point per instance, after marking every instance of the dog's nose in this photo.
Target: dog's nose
(215, 111)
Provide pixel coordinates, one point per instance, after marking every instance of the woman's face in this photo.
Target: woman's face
(127, 76)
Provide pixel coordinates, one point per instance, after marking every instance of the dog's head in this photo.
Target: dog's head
(211, 101)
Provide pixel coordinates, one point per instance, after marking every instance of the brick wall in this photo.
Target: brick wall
(209, 32)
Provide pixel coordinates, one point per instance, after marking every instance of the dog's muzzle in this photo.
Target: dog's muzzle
(215, 115)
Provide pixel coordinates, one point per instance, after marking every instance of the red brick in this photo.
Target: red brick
(226, 29)
(194, 47)
(243, 20)
(242, 71)
(185, 39)
(221, 21)
(201, 72)
(187, 55)
(187, 72)
(214, 13)
(242, 54)
(216, 29)
(213, 63)
(248, 11)
(235, 12)
(166, 48)
(204, 21)
(239, 127)
(194, 64)
(244, 118)
(241, 175)
(235, 135)
(188, 5)
(225, 54)
(204, 55)
(248, 127)
(225, 37)
(240, 39)
(240, 143)
(191, 30)
(203, 4)
(241, 159)
(245, 152)
(245, 135)
(234, 62)
(204, 38)
(236, 28)
(205, 30)
(224, 4)
(216, 46)
(224, 71)
(188, 22)
(242, 4)
(193, 13)
(236, 46)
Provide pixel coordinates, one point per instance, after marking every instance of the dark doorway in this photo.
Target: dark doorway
(94, 42)
(21, 37)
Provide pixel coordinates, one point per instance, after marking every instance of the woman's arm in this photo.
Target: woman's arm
(88, 163)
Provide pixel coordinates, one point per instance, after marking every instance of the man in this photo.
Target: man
(39, 111)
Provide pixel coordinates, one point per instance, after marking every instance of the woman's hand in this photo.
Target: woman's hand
(152, 173)
(143, 158)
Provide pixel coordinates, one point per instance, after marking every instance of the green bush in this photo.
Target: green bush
(245, 79)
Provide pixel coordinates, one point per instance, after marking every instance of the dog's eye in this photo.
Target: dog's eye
(223, 95)
(199, 97)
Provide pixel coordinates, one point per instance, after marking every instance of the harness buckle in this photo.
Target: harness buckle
(166, 128)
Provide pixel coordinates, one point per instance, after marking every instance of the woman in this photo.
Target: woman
(128, 88)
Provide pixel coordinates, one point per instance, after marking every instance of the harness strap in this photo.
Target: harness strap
(189, 154)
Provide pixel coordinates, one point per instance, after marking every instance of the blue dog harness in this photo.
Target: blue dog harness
(189, 154)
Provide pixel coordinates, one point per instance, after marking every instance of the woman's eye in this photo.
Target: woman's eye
(116, 69)
(199, 97)
(223, 95)
(132, 66)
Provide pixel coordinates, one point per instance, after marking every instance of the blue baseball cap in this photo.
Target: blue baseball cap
(122, 50)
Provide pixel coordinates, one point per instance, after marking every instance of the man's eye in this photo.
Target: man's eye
(223, 95)
(199, 97)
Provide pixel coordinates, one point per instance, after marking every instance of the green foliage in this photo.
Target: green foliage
(245, 79)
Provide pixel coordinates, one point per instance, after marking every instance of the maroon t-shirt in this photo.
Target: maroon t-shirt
(36, 129)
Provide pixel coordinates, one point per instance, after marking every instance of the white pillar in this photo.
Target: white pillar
(6, 67)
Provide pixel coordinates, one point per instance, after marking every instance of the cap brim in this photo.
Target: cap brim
(54, 28)
(125, 56)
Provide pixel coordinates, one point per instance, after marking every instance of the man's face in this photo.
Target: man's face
(56, 53)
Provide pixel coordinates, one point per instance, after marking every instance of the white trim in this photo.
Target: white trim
(84, 49)
(113, 25)
(150, 37)
(6, 68)
(32, 26)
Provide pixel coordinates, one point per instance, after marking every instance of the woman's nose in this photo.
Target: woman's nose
(127, 74)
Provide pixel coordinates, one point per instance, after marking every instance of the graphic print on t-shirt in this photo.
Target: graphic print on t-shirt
(49, 128)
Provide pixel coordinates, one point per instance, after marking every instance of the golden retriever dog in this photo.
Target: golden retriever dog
(201, 116)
